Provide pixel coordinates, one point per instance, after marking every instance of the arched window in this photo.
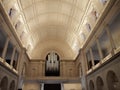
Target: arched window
(4, 83)
(103, 1)
(99, 83)
(112, 81)
(22, 35)
(52, 65)
(94, 14)
(91, 85)
(11, 12)
(83, 37)
(12, 85)
(18, 24)
(88, 27)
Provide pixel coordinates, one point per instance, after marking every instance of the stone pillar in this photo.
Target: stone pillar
(111, 39)
(19, 58)
(12, 58)
(62, 86)
(42, 68)
(100, 51)
(84, 70)
(91, 54)
(5, 48)
(21, 82)
(42, 86)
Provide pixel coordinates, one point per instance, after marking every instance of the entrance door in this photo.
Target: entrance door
(52, 86)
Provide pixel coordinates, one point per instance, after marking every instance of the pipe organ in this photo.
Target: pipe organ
(52, 64)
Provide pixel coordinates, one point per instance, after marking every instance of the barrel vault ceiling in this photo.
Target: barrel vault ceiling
(53, 25)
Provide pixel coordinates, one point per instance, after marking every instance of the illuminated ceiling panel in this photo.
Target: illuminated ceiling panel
(55, 21)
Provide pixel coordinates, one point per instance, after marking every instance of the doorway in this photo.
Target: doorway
(52, 86)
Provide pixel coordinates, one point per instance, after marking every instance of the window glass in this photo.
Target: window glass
(95, 53)
(103, 1)
(115, 30)
(89, 60)
(11, 12)
(15, 60)
(2, 41)
(83, 36)
(88, 27)
(104, 43)
(9, 53)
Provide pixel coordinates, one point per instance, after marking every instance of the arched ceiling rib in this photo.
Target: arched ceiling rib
(53, 21)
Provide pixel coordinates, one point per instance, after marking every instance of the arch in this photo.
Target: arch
(91, 85)
(58, 56)
(83, 37)
(12, 12)
(12, 85)
(88, 27)
(17, 27)
(103, 1)
(112, 81)
(52, 64)
(99, 83)
(4, 83)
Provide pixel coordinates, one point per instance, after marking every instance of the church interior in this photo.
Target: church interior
(59, 44)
